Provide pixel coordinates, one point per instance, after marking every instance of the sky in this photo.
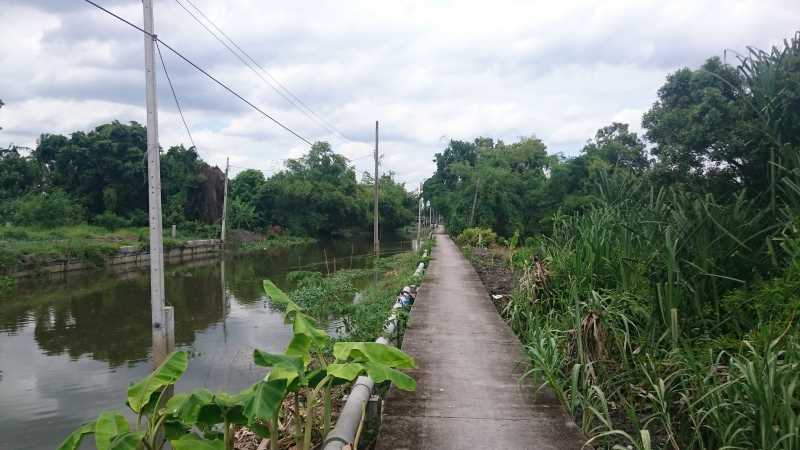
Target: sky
(429, 71)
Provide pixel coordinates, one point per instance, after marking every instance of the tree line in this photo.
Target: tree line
(100, 177)
(719, 130)
(318, 194)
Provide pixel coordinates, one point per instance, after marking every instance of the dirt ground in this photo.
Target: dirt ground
(493, 269)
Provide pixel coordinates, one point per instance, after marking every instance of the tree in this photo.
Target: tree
(723, 128)
(618, 147)
(396, 208)
(246, 185)
(18, 174)
(510, 191)
(105, 165)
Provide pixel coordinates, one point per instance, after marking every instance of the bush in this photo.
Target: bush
(138, 218)
(47, 210)
(110, 221)
(522, 257)
(197, 230)
(477, 237)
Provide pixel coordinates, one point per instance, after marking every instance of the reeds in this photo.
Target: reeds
(636, 332)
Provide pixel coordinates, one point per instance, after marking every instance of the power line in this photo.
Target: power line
(174, 95)
(201, 70)
(294, 100)
(368, 155)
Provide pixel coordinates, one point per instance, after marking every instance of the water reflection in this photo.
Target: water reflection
(69, 348)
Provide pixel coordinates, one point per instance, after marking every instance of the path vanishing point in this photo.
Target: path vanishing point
(469, 394)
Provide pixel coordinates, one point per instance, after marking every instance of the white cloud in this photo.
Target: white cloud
(425, 69)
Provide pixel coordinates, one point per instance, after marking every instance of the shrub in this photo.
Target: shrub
(138, 218)
(110, 221)
(522, 257)
(477, 237)
(48, 210)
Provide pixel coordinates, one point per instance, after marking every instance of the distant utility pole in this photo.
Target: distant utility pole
(162, 316)
(225, 200)
(419, 218)
(474, 201)
(375, 238)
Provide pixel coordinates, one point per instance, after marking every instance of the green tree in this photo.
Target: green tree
(618, 147)
(47, 209)
(18, 174)
(316, 194)
(396, 208)
(246, 185)
(106, 163)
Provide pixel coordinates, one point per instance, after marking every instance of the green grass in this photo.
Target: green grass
(32, 247)
(274, 242)
(331, 296)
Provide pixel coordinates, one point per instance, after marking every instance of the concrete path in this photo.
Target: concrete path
(468, 391)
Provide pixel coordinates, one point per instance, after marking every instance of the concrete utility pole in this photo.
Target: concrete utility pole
(474, 201)
(225, 200)
(162, 316)
(419, 218)
(430, 215)
(375, 237)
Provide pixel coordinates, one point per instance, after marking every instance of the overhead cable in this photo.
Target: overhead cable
(251, 64)
(201, 70)
(175, 96)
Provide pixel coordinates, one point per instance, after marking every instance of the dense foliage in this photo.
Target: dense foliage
(658, 295)
(317, 194)
(101, 177)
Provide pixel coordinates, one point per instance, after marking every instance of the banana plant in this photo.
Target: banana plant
(113, 432)
(304, 368)
(205, 420)
(205, 411)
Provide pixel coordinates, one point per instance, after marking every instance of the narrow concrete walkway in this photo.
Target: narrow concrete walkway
(468, 391)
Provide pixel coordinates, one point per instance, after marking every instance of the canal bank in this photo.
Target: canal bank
(126, 259)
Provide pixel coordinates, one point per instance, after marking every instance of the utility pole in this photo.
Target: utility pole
(375, 237)
(430, 216)
(225, 200)
(162, 317)
(419, 219)
(474, 201)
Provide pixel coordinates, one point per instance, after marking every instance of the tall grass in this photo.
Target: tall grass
(669, 319)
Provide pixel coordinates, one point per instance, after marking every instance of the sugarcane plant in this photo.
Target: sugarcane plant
(205, 420)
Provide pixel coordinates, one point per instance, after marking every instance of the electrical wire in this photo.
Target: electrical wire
(174, 95)
(368, 155)
(297, 103)
(328, 125)
(201, 70)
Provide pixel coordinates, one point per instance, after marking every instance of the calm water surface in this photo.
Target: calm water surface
(69, 348)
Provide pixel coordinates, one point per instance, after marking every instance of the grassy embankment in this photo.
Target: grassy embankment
(30, 246)
(331, 296)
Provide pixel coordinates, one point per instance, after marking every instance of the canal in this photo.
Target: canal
(69, 348)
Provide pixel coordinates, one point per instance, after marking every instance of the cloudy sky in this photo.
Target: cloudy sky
(428, 70)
